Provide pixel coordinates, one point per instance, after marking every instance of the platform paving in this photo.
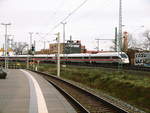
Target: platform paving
(27, 92)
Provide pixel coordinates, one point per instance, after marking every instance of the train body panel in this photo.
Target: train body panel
(111, 57)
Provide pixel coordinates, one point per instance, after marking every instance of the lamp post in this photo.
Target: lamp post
(6, 45)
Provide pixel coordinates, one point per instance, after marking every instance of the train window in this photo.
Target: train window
(86, 57)
(115, 57)
(95, 57)
(76, 57)
(123, 55)
(106, 57)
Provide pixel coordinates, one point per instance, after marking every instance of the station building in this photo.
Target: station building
(69, 47)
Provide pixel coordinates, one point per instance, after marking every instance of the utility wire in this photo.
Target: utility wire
(70, 14)
(74, 10)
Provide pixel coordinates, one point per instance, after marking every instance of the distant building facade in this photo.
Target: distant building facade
(53, 48)
(69, 47)
(72, 47)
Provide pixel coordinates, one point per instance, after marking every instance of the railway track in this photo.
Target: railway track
(114, 66)
(91, 102)
(138, 68)
(125, 67)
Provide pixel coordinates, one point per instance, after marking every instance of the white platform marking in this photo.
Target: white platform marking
(42, 108)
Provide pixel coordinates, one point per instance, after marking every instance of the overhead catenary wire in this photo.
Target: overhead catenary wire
(56, 9)
(70, 14)
(64, 19)
(74, 11)
(107, 3)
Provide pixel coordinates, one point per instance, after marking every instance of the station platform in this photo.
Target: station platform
(27, 92)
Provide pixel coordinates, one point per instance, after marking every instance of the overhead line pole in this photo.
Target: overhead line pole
(98, 42)
(28, 57)
(58, 54)
(29, 50)
(116, 40)
(120, 33)
(30, 33)
(43, 37)
(6, 45)
(63, 23)
(120, 25)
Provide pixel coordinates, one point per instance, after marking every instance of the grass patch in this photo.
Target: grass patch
(130, 86)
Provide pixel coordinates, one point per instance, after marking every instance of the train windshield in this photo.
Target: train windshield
(123, 56)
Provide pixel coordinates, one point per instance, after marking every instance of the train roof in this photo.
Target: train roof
(109, 54)
(98, 54)
(72, 55)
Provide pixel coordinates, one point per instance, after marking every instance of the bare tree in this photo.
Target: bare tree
(19, 47)
(113, 47)
(132, 43)
(147, 34)
(147, 42)
(145, 45)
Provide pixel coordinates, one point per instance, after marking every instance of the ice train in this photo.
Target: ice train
(108, 57)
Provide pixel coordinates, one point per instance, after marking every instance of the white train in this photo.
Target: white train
(108, 57)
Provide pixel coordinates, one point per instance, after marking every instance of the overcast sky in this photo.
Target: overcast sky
(95, 19)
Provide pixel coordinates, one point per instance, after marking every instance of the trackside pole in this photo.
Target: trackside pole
(58, 54)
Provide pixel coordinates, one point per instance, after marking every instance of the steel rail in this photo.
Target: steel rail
(125, 67)
(94, 97)
(73, 101)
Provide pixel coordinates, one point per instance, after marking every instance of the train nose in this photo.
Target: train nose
(125, 60)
